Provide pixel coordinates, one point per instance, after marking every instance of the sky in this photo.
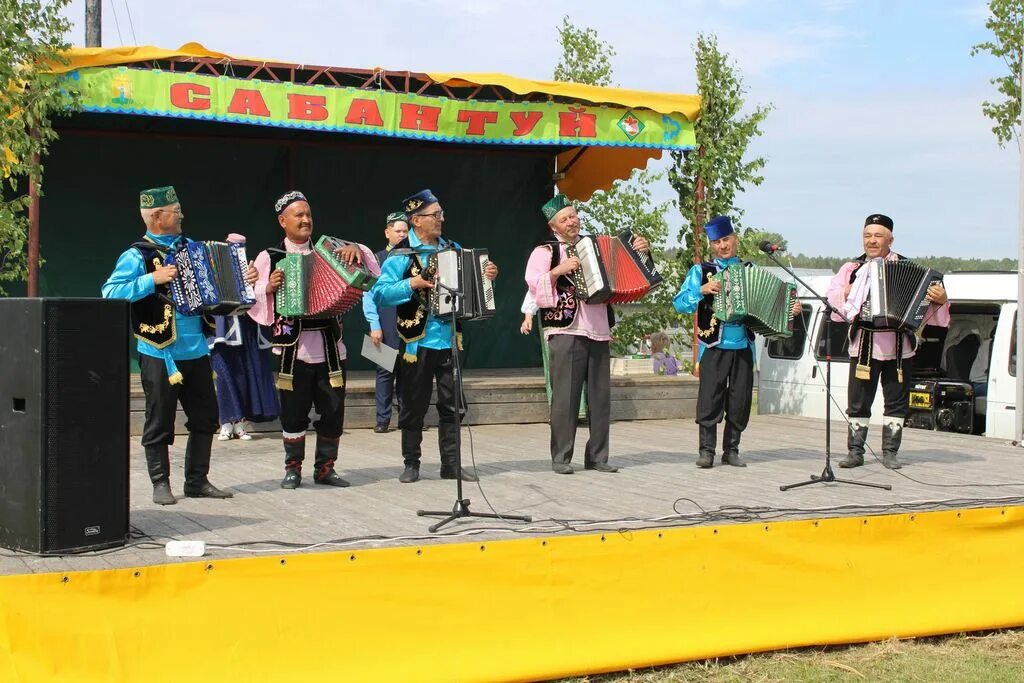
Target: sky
(876, 105)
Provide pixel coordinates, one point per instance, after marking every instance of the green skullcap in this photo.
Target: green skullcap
(554, 205)
(397, 216)
(157, 197)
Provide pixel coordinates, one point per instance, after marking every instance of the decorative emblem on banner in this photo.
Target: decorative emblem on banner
(631, 125)
(122, 87)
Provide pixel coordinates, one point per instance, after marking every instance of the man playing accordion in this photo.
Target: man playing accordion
(879, 353)
(578, 336)
(726, 355)
(427, 353)
(310, 351)
(174, 359)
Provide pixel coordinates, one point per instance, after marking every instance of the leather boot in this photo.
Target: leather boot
(326, 455)
(197, 467)
(892, 436)
(731, 446)
(158, 463)
(411, 440)
(294, 454)
(708, 440)
(855, 441)
(448, 441)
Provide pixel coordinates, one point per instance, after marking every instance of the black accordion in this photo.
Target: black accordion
(461, 270)
(210, 278)
(899, 294)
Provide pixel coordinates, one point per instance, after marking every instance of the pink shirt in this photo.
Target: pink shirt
(883, 346)
(311, 344)
(591, 319)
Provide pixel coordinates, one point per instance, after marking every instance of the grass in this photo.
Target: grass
(990, 658)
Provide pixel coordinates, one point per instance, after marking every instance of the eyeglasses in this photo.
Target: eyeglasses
(436, 215)
(177, 211)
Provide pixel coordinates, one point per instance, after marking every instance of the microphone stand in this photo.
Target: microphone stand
(461, 507)
(827, 475)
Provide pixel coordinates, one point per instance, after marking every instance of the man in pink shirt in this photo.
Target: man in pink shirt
(878, 352)
(310, 352)
(578, 334)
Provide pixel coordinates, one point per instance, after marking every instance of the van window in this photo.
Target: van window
(840, 341)
(792, 348)
(1013, 348)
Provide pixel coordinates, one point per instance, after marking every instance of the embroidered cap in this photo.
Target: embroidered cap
(554, 205)
(718, 227)
(396, 216)
(288, 198)
(417, 201)
(158, 196)
(878, 219)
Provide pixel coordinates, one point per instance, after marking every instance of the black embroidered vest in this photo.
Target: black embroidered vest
(152, 318)
(563, 313)
(412, 315)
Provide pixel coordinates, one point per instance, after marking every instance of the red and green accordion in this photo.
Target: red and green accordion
(320, 285)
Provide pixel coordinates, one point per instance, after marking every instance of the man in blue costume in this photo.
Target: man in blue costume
(427, 339)
(173, 354)
(726, 356)
(384, 323)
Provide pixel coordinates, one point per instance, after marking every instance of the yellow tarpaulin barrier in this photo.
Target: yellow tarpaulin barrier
(520, 609)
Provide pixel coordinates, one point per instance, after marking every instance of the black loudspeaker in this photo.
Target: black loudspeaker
(63, 424)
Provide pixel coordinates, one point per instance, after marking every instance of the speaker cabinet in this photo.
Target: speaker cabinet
(63, 424)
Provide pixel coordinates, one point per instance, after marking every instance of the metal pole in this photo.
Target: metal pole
(33, 237)
(698, 230)
(93, 23)
(1019, 430)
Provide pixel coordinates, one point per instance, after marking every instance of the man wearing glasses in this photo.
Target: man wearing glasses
(427, 340)
(173, 355)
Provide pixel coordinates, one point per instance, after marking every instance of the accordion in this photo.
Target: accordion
(462, 270)
(210, 278)
(611, 270)
(755, 297)
(319, 284)
(899, 294)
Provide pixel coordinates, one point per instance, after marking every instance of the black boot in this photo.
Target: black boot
(294, 454)
(731, 446)
(855, 441)
(411, 440)
(197, 467)
(708, 440)
(892, 436)
(326, 455)
(447, 441)
(158, 463)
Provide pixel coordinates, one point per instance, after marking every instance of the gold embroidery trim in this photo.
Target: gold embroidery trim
(157, 329)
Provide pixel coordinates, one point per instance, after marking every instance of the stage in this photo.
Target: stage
(657, 480)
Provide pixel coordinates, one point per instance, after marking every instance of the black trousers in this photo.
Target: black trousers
(726, 387)
(195, 393)
(573, 360)
(312, 387)
(861, 392)
(415, 386)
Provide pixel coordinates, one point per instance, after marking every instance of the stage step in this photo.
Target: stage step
(494, 397)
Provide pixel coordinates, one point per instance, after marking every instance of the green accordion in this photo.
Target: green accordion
(756, 298)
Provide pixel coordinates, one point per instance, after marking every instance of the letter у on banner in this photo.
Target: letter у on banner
(525, 121)
(307, 107)
(477, 120)
(190, 96)
(415, 117)
(576, 123)
(245, 101)
(364, 112)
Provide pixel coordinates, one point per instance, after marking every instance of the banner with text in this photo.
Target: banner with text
(376, 112)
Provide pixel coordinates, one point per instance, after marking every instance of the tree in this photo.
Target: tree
(32, 41)
(708, 180)
(628, 204)
(1006, 23)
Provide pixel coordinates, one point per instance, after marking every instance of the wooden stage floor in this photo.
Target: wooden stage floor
(658, 484)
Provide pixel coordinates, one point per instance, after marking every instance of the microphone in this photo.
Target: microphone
(767, 247)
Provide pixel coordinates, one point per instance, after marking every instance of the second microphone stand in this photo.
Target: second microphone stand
(827, 475)
(461, 507)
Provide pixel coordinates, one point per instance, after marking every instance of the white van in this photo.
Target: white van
(983, 311)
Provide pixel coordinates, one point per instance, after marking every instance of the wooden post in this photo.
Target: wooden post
(93, 23)
(33, 236)
(698, 231)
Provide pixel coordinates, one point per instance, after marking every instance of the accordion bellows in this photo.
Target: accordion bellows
(899, 294)
(320, 285)
(611, 270)
(210, 278)
(756, 298)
